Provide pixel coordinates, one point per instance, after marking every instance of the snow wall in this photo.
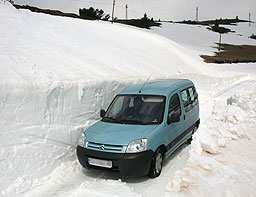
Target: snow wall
(39, 126)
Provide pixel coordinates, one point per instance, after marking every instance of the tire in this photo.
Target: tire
(156, 164)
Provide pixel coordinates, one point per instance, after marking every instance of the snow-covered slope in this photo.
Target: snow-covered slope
(67, 49)
(204, 40)
(57, 73)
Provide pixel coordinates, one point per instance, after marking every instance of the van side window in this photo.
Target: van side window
(193, 96)
(186, 100)
(174, 106)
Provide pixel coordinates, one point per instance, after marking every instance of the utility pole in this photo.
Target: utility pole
(249, 19)
(220, 42)
(126, 12)
(197, 13)
(113, 10)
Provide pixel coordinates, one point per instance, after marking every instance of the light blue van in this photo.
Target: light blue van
(144, 124)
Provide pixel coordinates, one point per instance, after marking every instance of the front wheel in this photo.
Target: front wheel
(156, 164)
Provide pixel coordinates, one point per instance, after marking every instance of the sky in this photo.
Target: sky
(159, 9)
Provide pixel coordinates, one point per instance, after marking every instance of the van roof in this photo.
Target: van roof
(157, 87)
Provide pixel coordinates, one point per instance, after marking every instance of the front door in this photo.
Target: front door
(174, 129)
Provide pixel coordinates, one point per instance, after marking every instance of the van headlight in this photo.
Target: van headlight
(82, 139)
(137, 146)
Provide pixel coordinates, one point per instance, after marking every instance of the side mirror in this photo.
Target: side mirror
(175, 117)
(196, 96)
(102, 113)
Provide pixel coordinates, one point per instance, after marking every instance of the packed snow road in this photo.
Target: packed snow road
(69, 179)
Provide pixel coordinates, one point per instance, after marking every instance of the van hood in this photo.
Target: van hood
(117, 134)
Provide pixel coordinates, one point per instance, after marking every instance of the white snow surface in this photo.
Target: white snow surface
(222, 156)
(204, 39)
(56, 73)
(70, 181)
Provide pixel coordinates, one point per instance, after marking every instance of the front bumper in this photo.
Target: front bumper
(127, 164)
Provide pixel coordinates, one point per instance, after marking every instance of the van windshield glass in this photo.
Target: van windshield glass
(136, 109)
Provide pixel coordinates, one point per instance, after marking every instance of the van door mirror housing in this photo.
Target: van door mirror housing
(175, 117)
(102, 113)
(196, 96)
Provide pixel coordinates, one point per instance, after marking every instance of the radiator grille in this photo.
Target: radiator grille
(104, 147)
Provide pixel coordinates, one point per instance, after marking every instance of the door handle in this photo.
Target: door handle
(184, 117)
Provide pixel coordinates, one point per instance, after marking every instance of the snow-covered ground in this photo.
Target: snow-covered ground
(201, 40)
(57, 73)
(222, 155)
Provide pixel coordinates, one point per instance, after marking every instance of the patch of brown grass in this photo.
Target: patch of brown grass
(232, 54)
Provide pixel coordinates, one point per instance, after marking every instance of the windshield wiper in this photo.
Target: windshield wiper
(124, 121)
(111, 119)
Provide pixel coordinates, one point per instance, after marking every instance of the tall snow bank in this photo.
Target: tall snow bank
(40, 127)
(217, 164)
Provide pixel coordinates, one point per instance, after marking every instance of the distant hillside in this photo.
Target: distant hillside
(232, 54)
(144, 22)
(214, 22)
(214, 25)
(46, 11)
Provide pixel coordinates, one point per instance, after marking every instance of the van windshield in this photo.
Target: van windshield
(136, 109)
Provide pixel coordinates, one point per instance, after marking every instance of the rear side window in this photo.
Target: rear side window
(174, 106)
(186, 100)
(193, 96)
(189, 98)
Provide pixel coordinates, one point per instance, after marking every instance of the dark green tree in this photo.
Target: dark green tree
(145, 17)
(93, 14)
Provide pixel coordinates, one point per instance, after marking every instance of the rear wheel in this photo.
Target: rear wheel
(156, 164)
(193, 131)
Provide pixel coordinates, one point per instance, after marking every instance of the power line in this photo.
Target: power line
(119, 6)
(130, 10)
(113, 6)
(135, 11)
(93, 2)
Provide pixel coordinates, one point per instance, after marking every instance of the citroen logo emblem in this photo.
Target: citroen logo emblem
(102, 147)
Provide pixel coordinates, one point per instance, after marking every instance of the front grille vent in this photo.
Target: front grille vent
(104, 147)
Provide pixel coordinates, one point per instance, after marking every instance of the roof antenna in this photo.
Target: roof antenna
(145, 82)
